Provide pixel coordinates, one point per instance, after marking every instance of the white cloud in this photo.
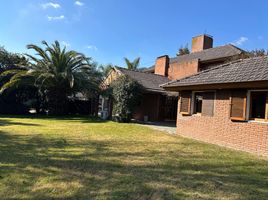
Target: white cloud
(240, 41)
(92, 47)
(66, 44)
(50, 5)
(52, 18)
(78, 3)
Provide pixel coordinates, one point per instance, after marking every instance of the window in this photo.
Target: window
(238, 105)
(203, 103)
(198, 98)
(253, 106)
(258, 105)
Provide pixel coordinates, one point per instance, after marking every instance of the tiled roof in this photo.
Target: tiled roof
(209, 54)
(240, 71)
(149, 81)
(149, 69)
(206, 55)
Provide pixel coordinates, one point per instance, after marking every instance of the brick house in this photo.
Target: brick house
(158, 104)
(226, 105)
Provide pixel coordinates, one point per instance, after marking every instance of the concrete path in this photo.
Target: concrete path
(162, 126)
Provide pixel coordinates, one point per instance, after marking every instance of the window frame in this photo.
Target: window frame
(193, 101)
(245, 106)
(194, 112)
(184, 113)
(248, 109)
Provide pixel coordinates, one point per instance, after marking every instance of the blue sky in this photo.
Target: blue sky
(108, 30)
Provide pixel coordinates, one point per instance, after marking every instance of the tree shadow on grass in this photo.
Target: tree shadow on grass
(6, 122)
(36, 167)
(80, 118)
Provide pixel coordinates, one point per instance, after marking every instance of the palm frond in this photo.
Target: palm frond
(55, 67)
(136, 63)
(128, 63)
(132, 65)
(39, 51)
(19, 79)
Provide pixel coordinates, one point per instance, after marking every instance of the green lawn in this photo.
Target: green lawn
(79, 158)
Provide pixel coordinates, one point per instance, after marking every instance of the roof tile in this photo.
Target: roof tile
(246, 70)
(149, 81)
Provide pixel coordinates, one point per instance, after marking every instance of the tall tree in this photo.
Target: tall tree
(21, 98)
(183, 50)
(10, 60)
(58, 74)
(134, 64)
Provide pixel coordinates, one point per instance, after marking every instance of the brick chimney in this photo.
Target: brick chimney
(161, 65)
(201, 42)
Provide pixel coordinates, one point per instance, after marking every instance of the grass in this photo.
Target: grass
(80, 158)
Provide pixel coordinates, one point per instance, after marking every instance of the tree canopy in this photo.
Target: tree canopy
(10, 60)
(183, 50)
(126, 93)
(257, 53)
(58, 74)
(18, 100)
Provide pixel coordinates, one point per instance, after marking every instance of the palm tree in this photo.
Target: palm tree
(132, 65)
(58, 74)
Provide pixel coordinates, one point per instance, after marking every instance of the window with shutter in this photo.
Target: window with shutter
(238, 105)
(185, 107)
(258, 105)
(203, 103)
(208, 104)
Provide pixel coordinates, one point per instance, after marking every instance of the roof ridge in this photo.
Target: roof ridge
(141, 72)
(230, 44)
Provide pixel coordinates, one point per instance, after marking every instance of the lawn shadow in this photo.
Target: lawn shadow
(170, 124)
(104, 169)
(79, 118)
(6, 122)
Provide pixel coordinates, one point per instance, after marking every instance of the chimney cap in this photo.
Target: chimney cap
(162, 56)
(207, 35)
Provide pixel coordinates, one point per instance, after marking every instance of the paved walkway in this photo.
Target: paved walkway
(162, 126)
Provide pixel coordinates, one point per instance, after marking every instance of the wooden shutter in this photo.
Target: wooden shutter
(238, 105)
(266, 107)
(208, 104)
(185, 108)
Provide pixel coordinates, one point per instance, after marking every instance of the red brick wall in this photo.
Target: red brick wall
(219, 129)
(180, 70)
(161, 65)
(201, 42)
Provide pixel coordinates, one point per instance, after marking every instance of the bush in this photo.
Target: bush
(126, 94)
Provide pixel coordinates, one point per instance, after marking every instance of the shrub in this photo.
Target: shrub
(126, 94)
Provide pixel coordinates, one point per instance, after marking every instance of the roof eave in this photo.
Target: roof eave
(231, 85)
(154, 90)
